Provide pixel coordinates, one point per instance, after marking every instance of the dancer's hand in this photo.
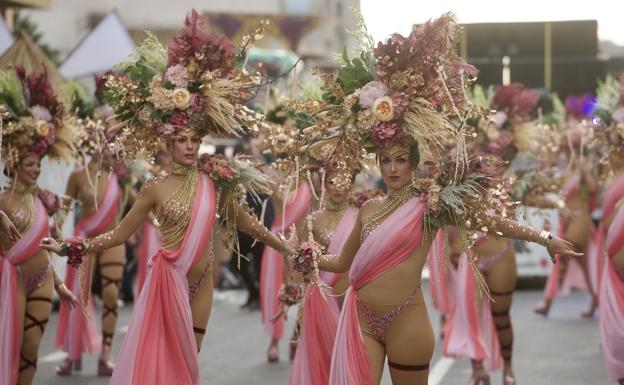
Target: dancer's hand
(567, 214)
(9, 228)
(292, 243)
(66, 296)
(561, 247)
(51, 244)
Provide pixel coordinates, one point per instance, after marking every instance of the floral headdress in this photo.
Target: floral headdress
(406, 90)
(195, 83)
(608, 119)
(33, 119)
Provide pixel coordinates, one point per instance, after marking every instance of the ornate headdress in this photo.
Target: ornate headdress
(608, 119)
(195, 83)
(407, 90)
(33, 119)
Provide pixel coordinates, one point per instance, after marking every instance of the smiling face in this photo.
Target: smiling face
(185, 146)
(28, 169)
(396, 167)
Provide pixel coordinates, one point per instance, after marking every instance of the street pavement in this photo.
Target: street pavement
(563, 349)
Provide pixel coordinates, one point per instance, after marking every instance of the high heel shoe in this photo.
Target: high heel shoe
(273, 354)
(509, 379)
(68, 367)
(481, 380)
(105, 368)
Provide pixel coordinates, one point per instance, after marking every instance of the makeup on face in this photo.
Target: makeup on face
(396, 167)
(185, 146)
(29, 169)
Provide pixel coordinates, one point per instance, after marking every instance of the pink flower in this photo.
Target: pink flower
(371, 92)
(50, 201)
(41, 146)
(177, 75)
(386, 134)
(225, 172)
(51, 138)
(197, 102)
(166, 129)
(180, 119)
(40, 113)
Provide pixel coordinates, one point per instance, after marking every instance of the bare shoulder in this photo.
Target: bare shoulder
(371, 206)
(152, 185)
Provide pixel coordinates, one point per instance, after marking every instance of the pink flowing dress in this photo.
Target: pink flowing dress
(10, 325)
(272, 264)
(320, 318)
(159, 347)
(611, 318)
(75, 332)
(150, 243)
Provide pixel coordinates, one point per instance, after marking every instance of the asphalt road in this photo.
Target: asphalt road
(563, 349)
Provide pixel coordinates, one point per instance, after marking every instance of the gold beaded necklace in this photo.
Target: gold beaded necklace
(25, 212)
(174, 214)
(394, 199)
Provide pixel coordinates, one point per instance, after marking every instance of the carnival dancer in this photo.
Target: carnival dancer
(394, 117)
(291, 201)
(611, 285)
(35, 125)
(579, 198)
(197, 90)
(331, 225)
(98, 191)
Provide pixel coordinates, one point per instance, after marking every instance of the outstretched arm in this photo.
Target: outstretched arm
(128, 225)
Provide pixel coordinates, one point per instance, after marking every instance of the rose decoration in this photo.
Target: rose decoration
(74, 247)
(181, 98)
(180, 119)
(42, 128)
(166, 129)
(177, 75)
(50, 200)
(305, 260)
(371, 92)
(290, 294)
(40, 113)
(383, 108)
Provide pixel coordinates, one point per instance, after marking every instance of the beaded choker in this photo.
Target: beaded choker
(180, 169)
(394, 199)
(335, 207)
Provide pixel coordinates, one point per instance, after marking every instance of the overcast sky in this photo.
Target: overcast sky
(384, 17)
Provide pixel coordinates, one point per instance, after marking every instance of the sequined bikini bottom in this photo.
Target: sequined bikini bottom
(379, 324)
(485, 263)
(33, 281)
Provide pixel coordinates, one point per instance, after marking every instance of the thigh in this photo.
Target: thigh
(578, 230)
(375, 349)
(201, 306)
(37, 312)
(409, 345)
(503, 275)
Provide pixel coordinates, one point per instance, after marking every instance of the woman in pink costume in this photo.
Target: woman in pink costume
(36, 126)
(384, 313)
(331, 226)
(172, 311)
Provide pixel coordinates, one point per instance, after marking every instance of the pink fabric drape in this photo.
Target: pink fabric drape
(391, 243)
(469, 330)
(438, 281)
(150, 243)
(75, 333)
(611, 318)
(320, 318)
(272, 264)
(596, 247)
(159, 347)
(574, 274)
(10, 327)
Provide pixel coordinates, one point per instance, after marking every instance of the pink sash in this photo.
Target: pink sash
(596, 248)
(611, 319)
(10, 327)
(466, 332)
(159, 347)
(150, 243)
(391, 243)
(273, 265)
(574, 274)
(438, 281)
(320, 319)
(75, 333)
